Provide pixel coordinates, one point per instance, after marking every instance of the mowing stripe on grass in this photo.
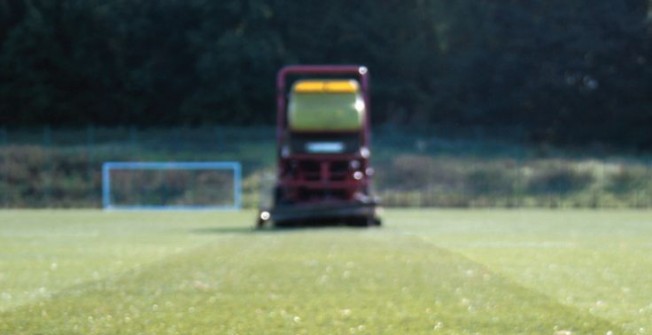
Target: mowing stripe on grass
(327, 281)
(603, 273)
(45, 251)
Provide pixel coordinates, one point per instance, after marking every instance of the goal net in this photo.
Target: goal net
(171, 185)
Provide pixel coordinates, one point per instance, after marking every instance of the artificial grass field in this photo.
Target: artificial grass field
(424, 272)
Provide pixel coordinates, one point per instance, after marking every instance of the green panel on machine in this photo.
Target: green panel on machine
(326, 106)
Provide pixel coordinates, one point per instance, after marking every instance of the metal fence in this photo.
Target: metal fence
(54, 167)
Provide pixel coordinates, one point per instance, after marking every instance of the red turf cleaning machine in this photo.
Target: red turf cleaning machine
(323, 148)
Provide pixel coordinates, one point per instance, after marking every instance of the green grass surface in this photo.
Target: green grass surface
(425, 272)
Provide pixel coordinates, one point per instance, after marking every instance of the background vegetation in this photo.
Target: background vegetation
(51, 167)
(558, 71)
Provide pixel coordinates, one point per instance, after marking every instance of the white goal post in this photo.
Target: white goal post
(168, 186)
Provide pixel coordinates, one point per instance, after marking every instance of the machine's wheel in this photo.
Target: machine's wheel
(362, 221)
(260, 223)
(284, 224)
(263, 217)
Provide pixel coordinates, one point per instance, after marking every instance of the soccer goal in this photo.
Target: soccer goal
(171, 185)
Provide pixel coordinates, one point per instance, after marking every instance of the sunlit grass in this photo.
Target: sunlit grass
(448, 272)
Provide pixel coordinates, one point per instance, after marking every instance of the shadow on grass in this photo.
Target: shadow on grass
(271, 229)
(224, 230)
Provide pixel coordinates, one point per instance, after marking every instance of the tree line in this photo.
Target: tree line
(560, 71)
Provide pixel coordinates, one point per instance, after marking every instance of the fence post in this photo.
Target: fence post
(90, 148)
(4, 140)
(47, 144)
(133, 139)
(647, 194)
(521, 183)
(219, 143)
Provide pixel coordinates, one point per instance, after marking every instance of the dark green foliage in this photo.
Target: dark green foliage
(564, 72)
(560, 181)
(630, 180)
(491, 181)
(35, 177)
